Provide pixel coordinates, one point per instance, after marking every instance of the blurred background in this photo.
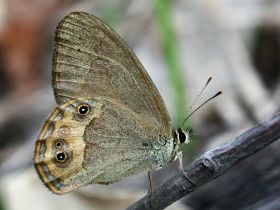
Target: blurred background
(181, 43)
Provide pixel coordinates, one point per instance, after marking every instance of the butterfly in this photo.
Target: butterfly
(110, 121)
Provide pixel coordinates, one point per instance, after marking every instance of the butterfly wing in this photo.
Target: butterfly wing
(127, 128)
(91, 60)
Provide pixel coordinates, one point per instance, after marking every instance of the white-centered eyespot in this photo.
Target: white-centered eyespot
(83, 109)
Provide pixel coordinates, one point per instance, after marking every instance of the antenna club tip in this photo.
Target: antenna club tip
(217, 94)
(209, 79)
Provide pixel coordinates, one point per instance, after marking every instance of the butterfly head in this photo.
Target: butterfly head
(181, 136)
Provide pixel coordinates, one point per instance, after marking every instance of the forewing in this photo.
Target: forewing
(91, 60)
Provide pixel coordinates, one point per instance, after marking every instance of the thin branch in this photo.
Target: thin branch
(212, 164)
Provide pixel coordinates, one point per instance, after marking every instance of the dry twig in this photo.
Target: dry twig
(212, 164)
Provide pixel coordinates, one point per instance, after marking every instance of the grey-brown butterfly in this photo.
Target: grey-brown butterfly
(110, 121)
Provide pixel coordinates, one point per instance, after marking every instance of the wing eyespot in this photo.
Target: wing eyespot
(61, 157)
(64, 131)
(83, 109)
(58, 144)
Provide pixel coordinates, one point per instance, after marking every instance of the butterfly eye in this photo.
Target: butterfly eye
(61, 157)
(83, 109)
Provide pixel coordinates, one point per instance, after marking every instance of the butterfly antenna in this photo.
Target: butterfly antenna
(197, 97)
(209, 99)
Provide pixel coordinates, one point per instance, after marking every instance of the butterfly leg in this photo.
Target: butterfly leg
(150, 187)
(181, 168)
